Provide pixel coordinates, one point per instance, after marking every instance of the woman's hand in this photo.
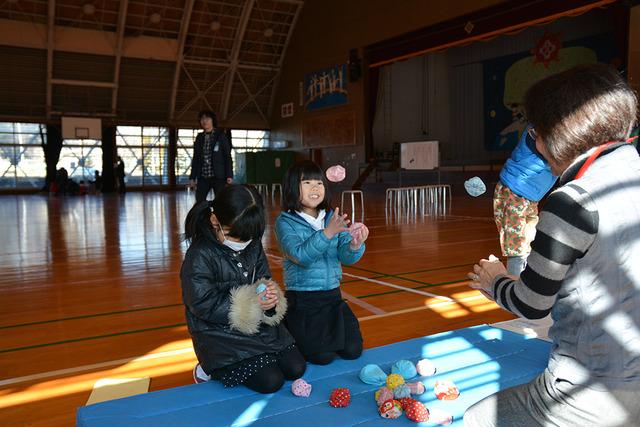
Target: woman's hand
(337, 224)
(484, 273)
(358, 237)
(270, 297)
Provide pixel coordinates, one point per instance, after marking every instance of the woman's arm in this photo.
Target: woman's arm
(567, 228)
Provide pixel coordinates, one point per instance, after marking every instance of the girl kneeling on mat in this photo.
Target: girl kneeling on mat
(237, 333)
(314, 243)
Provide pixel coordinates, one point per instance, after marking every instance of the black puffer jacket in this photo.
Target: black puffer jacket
(223, 315)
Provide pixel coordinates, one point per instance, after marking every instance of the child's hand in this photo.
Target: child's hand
(358, 237)
(337, 224)
(270, 295)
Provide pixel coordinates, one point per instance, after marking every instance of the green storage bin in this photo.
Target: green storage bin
(268, 167)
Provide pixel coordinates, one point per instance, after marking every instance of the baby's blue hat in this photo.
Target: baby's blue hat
(404, 368)
(373, 374)
(475, 186)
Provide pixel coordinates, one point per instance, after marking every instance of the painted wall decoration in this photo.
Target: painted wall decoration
(507, 79)
(326, 88)
(329, 130)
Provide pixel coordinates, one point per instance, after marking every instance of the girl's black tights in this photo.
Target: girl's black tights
(352, 350)
(270, 379)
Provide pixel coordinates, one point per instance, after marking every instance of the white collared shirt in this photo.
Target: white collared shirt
(317, 223)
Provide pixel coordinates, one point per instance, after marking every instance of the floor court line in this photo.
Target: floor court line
(378, 276)
(378, 313)
(426, 307)
(177, 352)
(402, 288)
(370, 307)
(85, 316)
(380, 251)
(363, 304)
(83, 368)
(380, 282)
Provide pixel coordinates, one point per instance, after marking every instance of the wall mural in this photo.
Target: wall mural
(507, 79)
(326, 88)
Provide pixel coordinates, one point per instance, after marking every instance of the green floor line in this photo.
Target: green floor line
(10, 350)
(137, 331)
(85, 316)
(434, 269)
(410, 272)
(379, 276)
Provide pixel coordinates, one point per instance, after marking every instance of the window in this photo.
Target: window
(22, 163)
(184, 153)
(81, 158)
(144, 151)
(250, 139)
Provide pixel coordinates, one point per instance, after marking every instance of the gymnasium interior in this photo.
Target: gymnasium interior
(413, 100)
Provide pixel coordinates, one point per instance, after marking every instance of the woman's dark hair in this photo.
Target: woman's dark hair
(211, 115)
(238, 207)
(580, 108)
(291, 185)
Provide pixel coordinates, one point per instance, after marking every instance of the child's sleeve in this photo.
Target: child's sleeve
(296, 249)
(200, 294)
(346, 255)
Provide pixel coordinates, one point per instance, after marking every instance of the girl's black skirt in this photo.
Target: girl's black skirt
(320, 321)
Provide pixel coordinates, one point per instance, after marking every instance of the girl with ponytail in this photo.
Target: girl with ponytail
(234, 311)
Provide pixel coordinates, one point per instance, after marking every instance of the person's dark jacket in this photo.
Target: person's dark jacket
(221, 157)
(223, 314)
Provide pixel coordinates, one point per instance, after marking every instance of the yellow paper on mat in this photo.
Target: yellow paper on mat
(115, 388)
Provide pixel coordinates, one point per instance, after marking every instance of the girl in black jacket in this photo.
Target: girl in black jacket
(237, 333)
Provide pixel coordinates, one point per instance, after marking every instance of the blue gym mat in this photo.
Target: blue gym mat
(479, 360)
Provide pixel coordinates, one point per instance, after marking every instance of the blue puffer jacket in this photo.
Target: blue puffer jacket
(312, 262)
(526, 173)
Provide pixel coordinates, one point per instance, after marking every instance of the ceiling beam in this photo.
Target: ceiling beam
(298, 2)
(122, 22)
(235, 54)
(51, 18)
(87, 83)
(184, 30)
(199, 92)
(252, 98)
(228, 64)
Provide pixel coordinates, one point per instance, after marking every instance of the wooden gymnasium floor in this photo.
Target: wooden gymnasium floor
(89, 288)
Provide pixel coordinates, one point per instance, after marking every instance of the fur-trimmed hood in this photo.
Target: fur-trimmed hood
(245, 313)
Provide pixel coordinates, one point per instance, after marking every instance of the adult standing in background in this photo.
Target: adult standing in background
(120, 174)
(211, 166)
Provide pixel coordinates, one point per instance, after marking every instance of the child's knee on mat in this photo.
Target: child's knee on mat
(351, 351)
(321, 358)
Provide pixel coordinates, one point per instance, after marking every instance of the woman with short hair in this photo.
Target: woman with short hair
(584, 266)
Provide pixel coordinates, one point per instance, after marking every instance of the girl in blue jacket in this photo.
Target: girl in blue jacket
(315, 242)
